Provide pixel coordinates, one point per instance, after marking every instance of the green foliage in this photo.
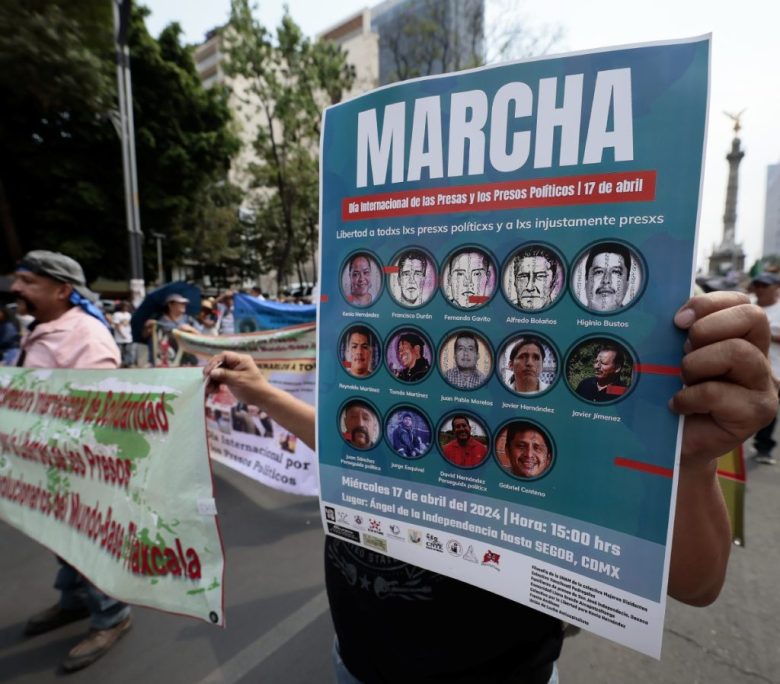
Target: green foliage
(56, 53)
(61, 183)
(427, 37)
(770, 262)
(289, 80)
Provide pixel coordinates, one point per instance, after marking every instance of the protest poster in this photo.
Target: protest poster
(502, 253)
(109, 470)
(244, 437)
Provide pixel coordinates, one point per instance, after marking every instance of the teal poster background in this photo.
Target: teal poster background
(613, 462)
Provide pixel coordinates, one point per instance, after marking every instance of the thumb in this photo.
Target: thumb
(234, 379)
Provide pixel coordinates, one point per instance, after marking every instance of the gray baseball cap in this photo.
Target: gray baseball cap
(58, 267)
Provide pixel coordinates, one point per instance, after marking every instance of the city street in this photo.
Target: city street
(279, 629)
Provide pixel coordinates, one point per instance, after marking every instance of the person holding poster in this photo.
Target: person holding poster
(69, 332)
(729, 393)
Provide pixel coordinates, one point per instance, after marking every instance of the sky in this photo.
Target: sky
(745, 56)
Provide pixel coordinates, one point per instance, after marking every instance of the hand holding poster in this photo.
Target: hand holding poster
(109, 470)
(513, 243)
(243, 436)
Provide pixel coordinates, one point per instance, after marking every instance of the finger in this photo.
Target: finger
(704, 439)
(229, 359)
(213, 362)
(739, 410)
(736, 360)
(744, 320)
(700, 306)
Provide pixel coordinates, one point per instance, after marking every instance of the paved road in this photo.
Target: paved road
(733, 641)
(279, 629)
(278, 626)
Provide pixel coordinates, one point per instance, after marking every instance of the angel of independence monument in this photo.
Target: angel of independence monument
(728, 257)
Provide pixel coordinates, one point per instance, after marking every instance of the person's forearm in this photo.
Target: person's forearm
(290, 412)
(702, 536)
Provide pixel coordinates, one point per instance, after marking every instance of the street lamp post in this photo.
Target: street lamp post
(160, 272)
(127, 136)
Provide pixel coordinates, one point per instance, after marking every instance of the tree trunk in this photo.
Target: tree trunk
(9, 228)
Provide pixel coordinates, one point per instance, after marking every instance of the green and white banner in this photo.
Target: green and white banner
(109, 470)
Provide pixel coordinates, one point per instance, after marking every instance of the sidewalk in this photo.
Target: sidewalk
(733, 641)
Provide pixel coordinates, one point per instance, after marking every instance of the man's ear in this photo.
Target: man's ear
(63, 291)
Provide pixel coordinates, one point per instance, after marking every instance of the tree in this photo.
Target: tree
(184, 142)
(511, 34)
(425, 37)
(288, 79)
(60, 157)
(54, 61)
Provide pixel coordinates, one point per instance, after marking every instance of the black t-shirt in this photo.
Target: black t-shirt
(399, 623)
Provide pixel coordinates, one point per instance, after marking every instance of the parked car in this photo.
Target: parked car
(298, 290)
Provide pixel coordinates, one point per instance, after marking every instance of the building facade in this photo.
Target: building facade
(772, 211)
(394, 40)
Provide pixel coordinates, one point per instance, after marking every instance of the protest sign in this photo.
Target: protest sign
(244, 437)
(732, 479)
(109, 470)
(502, 252)
(252, 315)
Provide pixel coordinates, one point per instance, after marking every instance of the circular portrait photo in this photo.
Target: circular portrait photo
(534, 278)
(600, 370)
(359, 424)
(607, 277)
(464, 440)
(528, 364)
(409, 354)
(468, 278)
(408, 432)
(360, 351)
(524, 450)
(361, 279)
(412, 278)
(465, 360)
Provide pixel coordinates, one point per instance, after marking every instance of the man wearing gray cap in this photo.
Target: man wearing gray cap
(69, 331)
(174, 318)
(766, 286)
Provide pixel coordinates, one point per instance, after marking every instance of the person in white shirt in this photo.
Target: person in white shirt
(123, 336)
(766, 287)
